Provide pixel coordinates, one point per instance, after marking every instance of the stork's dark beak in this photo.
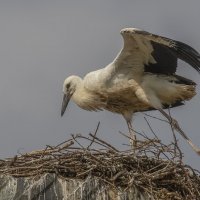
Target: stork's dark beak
(66, 98)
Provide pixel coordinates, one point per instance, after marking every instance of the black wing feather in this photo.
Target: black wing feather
(184, 52)
(163, 57)
(187, 54)
(166, 60)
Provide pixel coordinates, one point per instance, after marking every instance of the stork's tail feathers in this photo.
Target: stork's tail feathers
(177, 90)
(185, 93)
(185, 90)
(187, 87)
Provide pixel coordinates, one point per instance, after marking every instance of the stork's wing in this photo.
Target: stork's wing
(148, 52)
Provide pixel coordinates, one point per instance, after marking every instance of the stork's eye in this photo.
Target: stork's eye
(67, 85)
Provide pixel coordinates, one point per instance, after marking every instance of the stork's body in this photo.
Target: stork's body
(128, 97)
(142, 77)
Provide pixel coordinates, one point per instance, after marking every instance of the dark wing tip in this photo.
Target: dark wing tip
(186, 53)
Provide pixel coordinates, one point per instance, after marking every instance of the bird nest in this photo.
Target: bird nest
(154, 168)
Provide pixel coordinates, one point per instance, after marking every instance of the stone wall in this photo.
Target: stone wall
(51, 187)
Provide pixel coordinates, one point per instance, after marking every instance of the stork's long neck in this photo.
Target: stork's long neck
(86, 99)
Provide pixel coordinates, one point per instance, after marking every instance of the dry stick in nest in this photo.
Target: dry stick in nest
(97, 128)
(159, 147)
(162, 146)
(175, 144)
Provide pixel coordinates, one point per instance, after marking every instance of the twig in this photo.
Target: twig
(104, 142)
(97, 128)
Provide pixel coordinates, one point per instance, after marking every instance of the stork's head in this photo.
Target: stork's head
(69, 87)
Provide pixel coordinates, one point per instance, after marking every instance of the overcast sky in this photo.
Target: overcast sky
(43, 42)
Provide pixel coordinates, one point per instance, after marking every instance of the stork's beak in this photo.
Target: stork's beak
(66, 98)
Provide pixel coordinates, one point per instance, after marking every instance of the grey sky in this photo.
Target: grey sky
(42, 42)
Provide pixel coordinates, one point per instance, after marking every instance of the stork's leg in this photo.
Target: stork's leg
(132, 133)
(176, 126)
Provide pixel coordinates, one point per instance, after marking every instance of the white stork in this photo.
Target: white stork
(142, 77)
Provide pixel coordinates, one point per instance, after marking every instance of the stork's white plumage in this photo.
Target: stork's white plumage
(142, 77)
